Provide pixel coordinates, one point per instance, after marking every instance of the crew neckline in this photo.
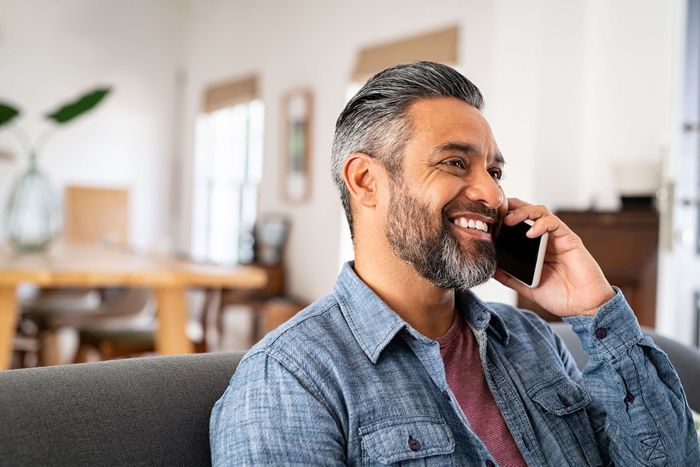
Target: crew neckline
(447, 339)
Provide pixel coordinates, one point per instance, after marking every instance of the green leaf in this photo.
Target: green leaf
(85, 103)
(7, 113)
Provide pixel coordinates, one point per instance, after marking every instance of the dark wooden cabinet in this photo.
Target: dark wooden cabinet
(625, 244)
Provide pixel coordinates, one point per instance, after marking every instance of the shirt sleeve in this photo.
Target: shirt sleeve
(638, 410)
(262, 418)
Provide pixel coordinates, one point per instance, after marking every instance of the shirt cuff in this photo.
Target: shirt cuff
(610, 332)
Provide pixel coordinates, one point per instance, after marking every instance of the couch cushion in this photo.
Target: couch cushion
(139, 411)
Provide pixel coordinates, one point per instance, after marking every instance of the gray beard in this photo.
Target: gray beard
(433, 250)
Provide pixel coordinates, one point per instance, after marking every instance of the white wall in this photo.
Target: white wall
(629, 89)
(52, 51)
(570, 86)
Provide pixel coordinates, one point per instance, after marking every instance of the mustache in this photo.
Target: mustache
(471, 206)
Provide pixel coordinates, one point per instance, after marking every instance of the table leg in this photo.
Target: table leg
(171, 330)
(8, 323)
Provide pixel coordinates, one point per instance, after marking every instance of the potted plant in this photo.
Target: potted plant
(33, 215)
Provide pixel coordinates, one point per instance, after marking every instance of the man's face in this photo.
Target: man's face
(446, 202)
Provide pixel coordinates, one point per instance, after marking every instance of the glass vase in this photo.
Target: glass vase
(33, 214)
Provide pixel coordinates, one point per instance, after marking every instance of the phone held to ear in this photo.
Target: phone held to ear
(519, 256)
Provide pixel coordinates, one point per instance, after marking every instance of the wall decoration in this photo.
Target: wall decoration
(296, 152)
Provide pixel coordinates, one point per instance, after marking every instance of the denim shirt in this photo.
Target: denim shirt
(348, 382)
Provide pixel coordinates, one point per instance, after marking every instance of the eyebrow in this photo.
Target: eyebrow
(466, 149)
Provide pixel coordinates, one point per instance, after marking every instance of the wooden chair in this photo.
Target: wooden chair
(97, 215)
(92, 216)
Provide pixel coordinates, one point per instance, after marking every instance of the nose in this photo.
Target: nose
(484, 189)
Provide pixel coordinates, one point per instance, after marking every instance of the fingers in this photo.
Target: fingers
(520, 210)
(549, 223)
(544, 220)
(514, 203)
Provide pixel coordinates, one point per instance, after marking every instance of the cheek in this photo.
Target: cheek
(428, 199)
(453, 188)
(503, 208)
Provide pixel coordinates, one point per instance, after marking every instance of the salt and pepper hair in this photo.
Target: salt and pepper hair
(376, 120)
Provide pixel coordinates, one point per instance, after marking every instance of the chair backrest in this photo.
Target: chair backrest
(141, 411)
(685, 359)
(96, 215)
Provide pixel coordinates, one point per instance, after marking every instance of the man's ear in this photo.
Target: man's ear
(360, 172)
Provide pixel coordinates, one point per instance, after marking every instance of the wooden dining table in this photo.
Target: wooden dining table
(76, 265)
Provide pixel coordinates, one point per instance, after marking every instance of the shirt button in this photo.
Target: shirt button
(629, 398)
(489, 463)
(413, 443)
(601, 333)
(564, 401)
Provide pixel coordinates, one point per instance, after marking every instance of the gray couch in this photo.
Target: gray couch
(151, 411)
(141, 411)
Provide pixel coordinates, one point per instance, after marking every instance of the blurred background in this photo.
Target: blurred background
(221, 115)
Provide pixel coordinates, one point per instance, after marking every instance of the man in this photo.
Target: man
(402, 363)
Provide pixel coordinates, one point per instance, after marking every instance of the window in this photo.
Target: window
(228, 170)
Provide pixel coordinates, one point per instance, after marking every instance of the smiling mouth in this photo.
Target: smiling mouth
(475, 224)
(479, 226)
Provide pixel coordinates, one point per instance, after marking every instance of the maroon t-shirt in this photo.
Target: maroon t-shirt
(465, 376)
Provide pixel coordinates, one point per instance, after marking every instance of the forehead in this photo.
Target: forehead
(439, 120)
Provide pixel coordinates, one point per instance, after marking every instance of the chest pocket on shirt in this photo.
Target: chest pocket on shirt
(563, 404)
(407, 441)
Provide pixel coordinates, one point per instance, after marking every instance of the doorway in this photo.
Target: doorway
(681, 259)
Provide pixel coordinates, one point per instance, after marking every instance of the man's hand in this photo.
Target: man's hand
(572, 282)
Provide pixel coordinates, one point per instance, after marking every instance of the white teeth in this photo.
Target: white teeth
(471, 224)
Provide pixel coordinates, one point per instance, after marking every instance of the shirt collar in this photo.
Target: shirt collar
(481, 316)
(374, 324)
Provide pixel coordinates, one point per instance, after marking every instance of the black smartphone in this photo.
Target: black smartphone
(519, 256)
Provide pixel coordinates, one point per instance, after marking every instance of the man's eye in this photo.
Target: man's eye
(458, 163)
(496, 173)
